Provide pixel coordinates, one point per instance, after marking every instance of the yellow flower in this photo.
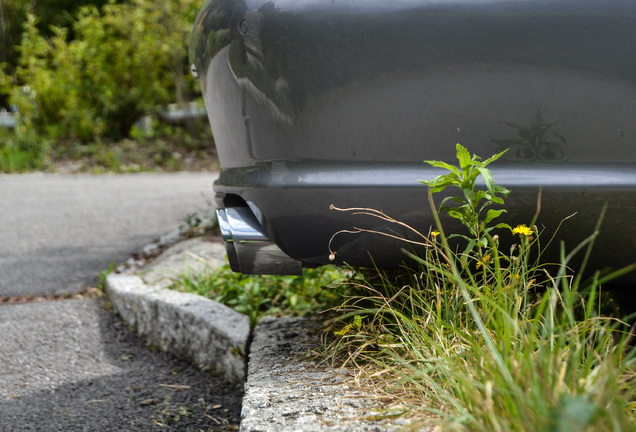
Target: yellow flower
(522, 230)
(434, 233)
(484, 260)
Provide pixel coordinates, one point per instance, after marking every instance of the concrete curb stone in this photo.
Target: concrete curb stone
(285, 390)
(189, 325)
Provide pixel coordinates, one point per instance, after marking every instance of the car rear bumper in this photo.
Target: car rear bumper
(291, 203)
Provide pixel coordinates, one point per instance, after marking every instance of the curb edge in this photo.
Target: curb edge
(207, 332)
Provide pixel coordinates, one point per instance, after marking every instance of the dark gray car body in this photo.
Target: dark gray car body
(314, 103)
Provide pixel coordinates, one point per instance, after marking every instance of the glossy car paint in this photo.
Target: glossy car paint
(314, 103)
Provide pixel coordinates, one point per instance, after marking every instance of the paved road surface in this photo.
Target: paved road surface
(57, 233)
(72, 365)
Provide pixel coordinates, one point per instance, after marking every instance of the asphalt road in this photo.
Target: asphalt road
(58, 232)
(72, 365)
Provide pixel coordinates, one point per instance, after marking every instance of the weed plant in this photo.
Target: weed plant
(259, 296)
(486, 339)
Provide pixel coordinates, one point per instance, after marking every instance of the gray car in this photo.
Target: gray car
(316, 103)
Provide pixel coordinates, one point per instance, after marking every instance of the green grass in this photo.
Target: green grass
(487, 340)
(258, 296)
(513, 356)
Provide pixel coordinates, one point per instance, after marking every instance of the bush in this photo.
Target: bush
(124, 61)
(21, 151)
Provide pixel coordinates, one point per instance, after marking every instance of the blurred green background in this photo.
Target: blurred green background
(89, 84)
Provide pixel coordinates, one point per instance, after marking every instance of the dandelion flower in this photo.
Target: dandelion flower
(522, 230)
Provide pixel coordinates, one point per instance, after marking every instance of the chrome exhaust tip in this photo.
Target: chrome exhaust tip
(248, 248)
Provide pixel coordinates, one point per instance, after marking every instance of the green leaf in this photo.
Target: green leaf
(439, 187)
(451, 198)
(357, 321)
(492, 214)
(483, 207)
(440, 182)
(455, 214)
(465, 162)
(440, 164)
(487, 176)
(479, 195)
(470, 246)
(461, 236)
(494, 158)
(502, 225)
(502, 190)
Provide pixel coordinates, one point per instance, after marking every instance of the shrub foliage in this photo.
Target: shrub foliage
(123, 61)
